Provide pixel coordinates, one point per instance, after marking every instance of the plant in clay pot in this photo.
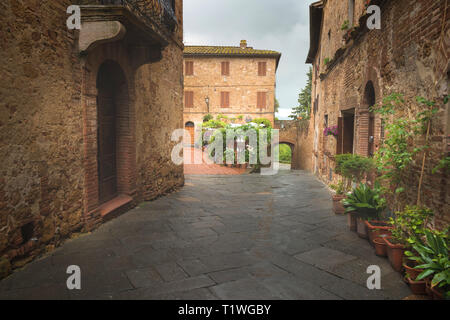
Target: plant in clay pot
(338, 207)
(408, 226)
(434, 256)
(417, 287)
(380, 246)
(366, 203)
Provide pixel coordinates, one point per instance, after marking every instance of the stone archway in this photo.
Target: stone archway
(369, 127)
(293, 153)
(112, 131)
(109, 135)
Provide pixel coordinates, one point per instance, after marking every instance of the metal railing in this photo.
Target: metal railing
(159, 12)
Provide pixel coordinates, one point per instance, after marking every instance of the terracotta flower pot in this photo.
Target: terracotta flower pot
(351, 221)
(438, 294)
(338, 207)
(417, 287)
(428, 289)
(376, 229)
(395, 254)
(361, 229)
(410, 271)
(380, 247)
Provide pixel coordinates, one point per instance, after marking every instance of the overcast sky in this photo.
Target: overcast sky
(281, 25)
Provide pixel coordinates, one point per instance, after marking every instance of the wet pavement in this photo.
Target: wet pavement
(220, 237)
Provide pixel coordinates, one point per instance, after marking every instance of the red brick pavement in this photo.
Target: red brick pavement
(209, 169)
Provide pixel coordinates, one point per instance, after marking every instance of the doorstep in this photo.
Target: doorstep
(115, 207)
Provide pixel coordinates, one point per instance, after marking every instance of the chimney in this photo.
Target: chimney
(243, 44)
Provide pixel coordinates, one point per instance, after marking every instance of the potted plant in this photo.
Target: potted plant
(365, 202)
(408, 226)
(436, 267)
(380, 245)
(353, 169)
(338, 207)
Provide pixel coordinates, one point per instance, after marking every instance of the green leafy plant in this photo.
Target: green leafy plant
(339, 188)
(326, 61)
(444, 164)
(365, 202)
(433, 259)
(207, 117)
(399, 147)
(345, 25)
(353, 168)
(410, 224)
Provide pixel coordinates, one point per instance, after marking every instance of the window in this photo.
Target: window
(225, 68)
(189, 99)
(261, 100)
(262, 69)
(224, 99)
(189, 68)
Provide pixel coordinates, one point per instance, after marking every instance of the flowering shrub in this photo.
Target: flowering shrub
(331, 131)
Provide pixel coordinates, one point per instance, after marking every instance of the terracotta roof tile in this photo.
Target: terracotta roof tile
(227, 51)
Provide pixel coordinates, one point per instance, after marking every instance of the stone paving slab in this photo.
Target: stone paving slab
(220, 237)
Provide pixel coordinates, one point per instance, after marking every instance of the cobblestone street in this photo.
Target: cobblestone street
(219, 237)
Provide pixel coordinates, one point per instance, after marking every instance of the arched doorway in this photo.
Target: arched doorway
(190, 128)
(369, 101)
(285, 152)
(112, 130)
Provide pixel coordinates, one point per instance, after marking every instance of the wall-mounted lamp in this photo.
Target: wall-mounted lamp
(207, 102)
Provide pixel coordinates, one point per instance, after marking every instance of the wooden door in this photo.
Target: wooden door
(191, 129)
(107, 171)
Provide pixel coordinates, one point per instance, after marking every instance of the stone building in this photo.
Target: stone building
(354, 67)
(85, 115)
(238, 82)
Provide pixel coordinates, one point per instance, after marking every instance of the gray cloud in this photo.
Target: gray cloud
(281, 25)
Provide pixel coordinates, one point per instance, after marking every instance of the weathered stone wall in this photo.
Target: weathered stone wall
(409, 55)
(296, 134)
(242, 84)
(48, 126)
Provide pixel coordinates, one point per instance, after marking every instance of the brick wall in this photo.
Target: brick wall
(243, 84)
(48, 127)
(406, 56)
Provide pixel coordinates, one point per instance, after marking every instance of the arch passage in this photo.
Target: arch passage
(112, 131)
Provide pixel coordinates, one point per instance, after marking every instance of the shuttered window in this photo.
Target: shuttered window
(262, 69)
(225, 68)
(261, 100)
(189, 99)
(224, 99)
(189, 68)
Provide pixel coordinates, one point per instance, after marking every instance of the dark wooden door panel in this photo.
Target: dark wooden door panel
(107, 172)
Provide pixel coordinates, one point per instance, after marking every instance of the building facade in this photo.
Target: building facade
(85, 116)
(237, 82)
(355, 67)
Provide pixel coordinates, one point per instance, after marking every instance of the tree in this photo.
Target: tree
(277, 105)
(303, 110)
